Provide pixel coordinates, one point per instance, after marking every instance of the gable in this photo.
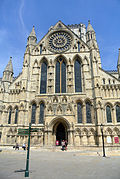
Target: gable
(60, 39)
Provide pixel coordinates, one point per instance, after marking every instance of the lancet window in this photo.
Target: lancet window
(79, 112)
(33, 115)
(88, 112)
(78, 76)
(108, 113)
(9, 117)
(16, 115)
(41, 117)
(60, 80)
(118, 113)
(43, 83)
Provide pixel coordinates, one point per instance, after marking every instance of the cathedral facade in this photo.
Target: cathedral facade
(62, 91)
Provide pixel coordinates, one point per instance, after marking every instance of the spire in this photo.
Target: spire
(89, 27)
(118, 64)
(32, 34)
(32, 39)
(9, 66)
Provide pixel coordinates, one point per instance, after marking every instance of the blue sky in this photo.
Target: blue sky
(18, 16)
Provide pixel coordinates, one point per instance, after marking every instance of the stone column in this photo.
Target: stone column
(114, 120)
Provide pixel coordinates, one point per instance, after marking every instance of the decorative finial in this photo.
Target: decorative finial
(88, 21)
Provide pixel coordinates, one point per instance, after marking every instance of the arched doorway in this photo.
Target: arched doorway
(60, 133)
(60, 130)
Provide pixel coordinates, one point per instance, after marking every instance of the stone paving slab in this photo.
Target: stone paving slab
(57, 165)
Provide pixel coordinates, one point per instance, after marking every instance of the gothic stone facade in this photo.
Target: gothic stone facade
(62, 91)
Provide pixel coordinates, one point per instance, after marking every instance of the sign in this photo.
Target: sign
(26, 131)
(23, 131)
(109, 140)
(116, 139)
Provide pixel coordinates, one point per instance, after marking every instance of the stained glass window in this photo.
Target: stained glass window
(108, 113)
(57, 86)
(33, 114)
(79, 112)
(43, 84)
(118, 113)
(88, 112)
(40, 49)
(16, 115)
(60, 80)
(78, 81)
(41, 117)
(63, 77)
(9, 118)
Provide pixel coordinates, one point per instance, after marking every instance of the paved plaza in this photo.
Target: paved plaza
(58, 165)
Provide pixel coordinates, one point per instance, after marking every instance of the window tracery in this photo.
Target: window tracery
(33, 115)
(79, 112)
(60, 80)
(78, 76)
(108, 113)
(43, 83)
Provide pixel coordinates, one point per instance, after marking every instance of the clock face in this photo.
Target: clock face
(59, 42)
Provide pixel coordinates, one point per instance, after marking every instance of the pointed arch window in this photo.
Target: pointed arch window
(41, 117)
(33, 115)
(79, 112)
(108, 113)
(9, 117)
(60, 78)
(78, 76)
(118, 113)
(88, 112)
(16, 115)
(78, 46)
(43, 83)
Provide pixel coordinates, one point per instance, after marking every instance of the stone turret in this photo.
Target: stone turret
(8, 75)
(91, 37)
(118, 65)
(31, 40)
(8, 72)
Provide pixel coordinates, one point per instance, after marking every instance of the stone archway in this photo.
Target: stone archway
(61, 133)
(60, 128)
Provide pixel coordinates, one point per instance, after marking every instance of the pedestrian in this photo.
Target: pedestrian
(63, 145)
(66, 144)
(24, 146)
(17, 146)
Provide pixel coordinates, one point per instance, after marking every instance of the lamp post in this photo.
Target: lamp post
(101, 127)
(28, 150)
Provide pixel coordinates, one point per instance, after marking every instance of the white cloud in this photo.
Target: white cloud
(21, 17)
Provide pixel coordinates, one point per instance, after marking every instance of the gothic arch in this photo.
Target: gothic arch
(55, 99)
(43, 59)
(108, 104)
(88, 100)
(61, 56)
(85, 131)
(33, 102)
(77, 57)
(16, 107)
(78, 100)
(9, 107)
(116, 130)
(86, 60)
(116, 103)
(59, 119)
(109, 131)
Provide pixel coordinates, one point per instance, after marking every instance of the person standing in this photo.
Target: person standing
(63, 145)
